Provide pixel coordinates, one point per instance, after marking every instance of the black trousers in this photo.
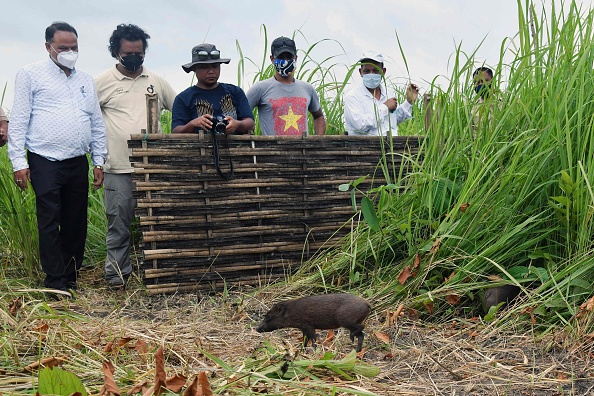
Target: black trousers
(61, 194)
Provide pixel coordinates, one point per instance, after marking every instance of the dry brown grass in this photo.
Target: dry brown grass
(456, 358)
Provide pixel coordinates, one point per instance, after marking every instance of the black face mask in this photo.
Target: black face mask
(131, 62)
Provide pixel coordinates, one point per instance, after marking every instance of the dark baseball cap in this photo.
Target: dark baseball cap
(283, 44)
(204, 53)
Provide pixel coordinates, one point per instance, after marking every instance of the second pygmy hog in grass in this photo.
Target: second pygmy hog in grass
(324, 311)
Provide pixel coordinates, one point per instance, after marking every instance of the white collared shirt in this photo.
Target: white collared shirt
(55, 116)
(366, 115)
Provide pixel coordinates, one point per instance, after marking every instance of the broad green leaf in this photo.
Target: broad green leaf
(565, 183)
(344, 187)
(358, 181)
(541, 273)
(556, 303)
(369, 213)
(540, 310)
(518, 272)
(563, 200)
(581, 284)
(55, 381)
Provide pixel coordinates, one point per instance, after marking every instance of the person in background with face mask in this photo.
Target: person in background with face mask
(3, 128)
(372, 109)
(482, 82)
(283, 101)
(481, 78)
(122, 93)
(55, 122)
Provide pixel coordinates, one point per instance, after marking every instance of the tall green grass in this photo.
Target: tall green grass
(511, 198)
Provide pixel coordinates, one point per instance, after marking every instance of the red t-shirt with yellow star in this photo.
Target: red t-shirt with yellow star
(282, 108)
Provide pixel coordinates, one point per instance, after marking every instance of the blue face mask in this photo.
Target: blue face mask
(284, 67)
(372, 80)
(482, 90)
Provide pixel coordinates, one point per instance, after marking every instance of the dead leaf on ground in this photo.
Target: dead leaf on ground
(586, 307)
(435, 246)
(193, 389)
(453, 299)
(141, 346)
(42, 328)
(529, 310)
(109, 385)
(494, 278)
(176, 383)
(160, 378)
(428, 306)
(382, 337)
(450, 277)
(361, 353)
(123, 341)
(329, 337)
(404, 275)
(412, 314)
(239, 317)
(15, 305)
(417, 261)
(204, 384)
(45, 362)
(463, 207)
(139, 388)
(392, 316)
(108, 347)
(473, 334)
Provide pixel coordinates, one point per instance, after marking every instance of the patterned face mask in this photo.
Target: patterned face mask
(284, 67)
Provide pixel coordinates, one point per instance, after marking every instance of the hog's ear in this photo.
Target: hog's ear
(280, 309)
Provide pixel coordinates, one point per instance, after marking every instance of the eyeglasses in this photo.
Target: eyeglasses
(204, 55)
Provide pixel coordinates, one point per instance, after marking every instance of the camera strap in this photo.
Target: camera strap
(217, 158)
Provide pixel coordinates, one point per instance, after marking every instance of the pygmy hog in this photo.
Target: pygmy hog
(498, 294)
(325, 311)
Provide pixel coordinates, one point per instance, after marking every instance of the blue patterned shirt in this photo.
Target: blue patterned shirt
(55, 116)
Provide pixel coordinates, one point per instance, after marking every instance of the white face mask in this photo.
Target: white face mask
(67, 58)
(372, 80)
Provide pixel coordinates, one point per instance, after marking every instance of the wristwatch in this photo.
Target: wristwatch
(99, 167)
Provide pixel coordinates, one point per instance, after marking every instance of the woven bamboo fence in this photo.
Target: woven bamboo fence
(203, 232)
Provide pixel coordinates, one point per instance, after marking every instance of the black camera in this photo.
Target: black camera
(219, 124)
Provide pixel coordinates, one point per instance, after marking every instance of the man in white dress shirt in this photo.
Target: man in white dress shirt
(55, 122)
(370, 108)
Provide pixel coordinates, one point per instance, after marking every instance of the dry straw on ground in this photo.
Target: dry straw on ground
(415, 358)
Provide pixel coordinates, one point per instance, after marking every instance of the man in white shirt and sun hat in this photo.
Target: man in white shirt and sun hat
(371, 108)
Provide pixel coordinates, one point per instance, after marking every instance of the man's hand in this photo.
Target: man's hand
(22, 178)
(412, 93)
(97, 178)
(426, 100)
(391, 103)
(203, 122)
(232, 125)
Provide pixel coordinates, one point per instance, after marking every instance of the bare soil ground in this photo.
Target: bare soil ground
(127, 327)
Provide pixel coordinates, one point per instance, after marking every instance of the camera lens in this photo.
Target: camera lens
(220, 127)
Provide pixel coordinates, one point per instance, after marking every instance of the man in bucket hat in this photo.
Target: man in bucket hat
(195, 107)
(282, 100)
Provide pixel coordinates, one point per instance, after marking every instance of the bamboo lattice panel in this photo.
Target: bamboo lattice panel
(200, 231)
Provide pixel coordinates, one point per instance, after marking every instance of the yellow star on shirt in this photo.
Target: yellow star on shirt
(291, 119)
